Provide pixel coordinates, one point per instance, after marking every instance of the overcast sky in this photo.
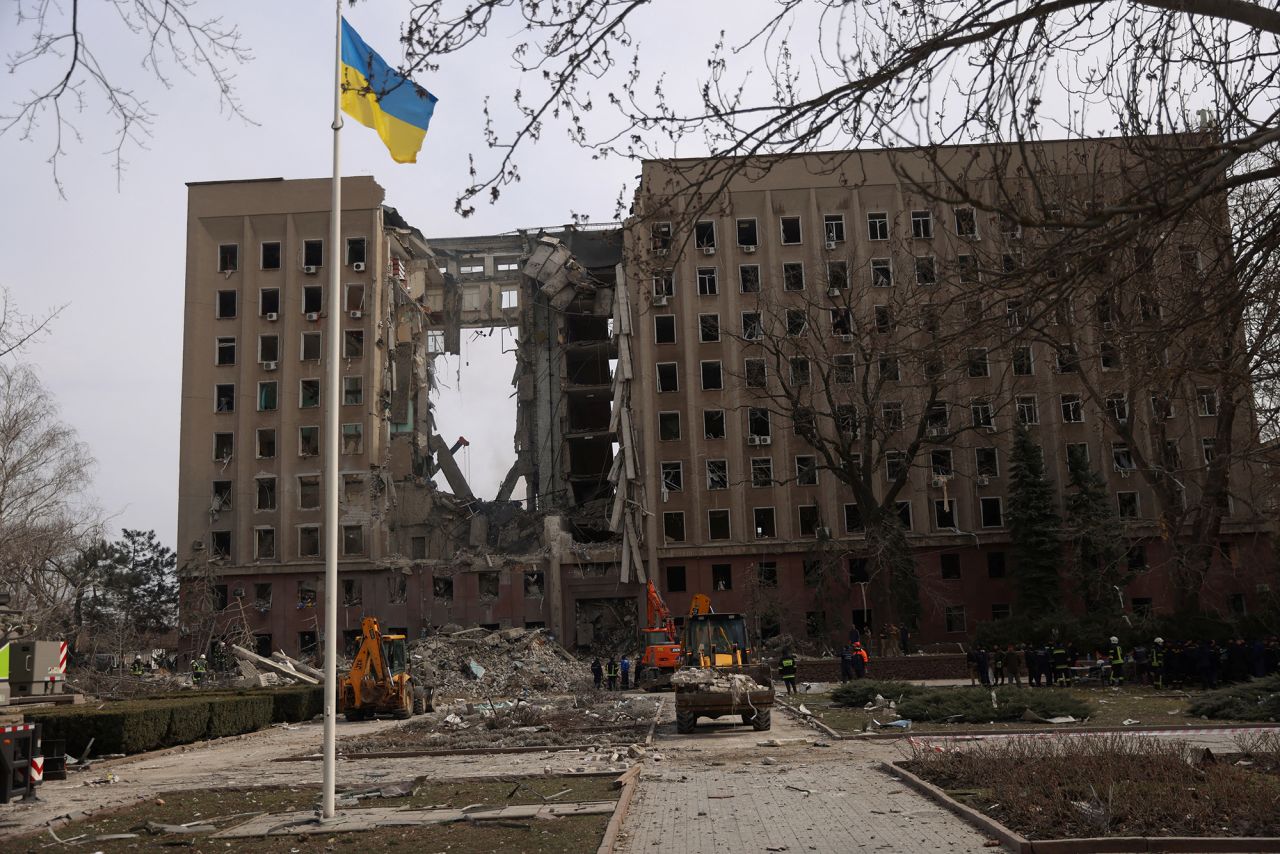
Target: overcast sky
(114, 255)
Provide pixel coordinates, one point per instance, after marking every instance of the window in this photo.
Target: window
(712, 378)
(1188, 259)
(747, 233)
(891, 416)
(717, 524)
(1121, 457)
(966, 222)
(660, 236)
(308, 441)
(791, 234)
(1010, 227)
(667, 377)
(797, 322)
(224, 397)
(982, 413)
(308, 393)
(926, 270)
(806, 470)
(351, 592)
(664, 284)
(838, 275)
(673, 526)
(877, 225)
(268, 348)
(801, 371)
(266, 443)
(995, 564)
(978, 366)
(270, 255)
(949, 564)
(765, 524)
(895, 465)
(1072, 409)
(313, 253)
(1161, 407)
(226, 304)
(264, 548)
(309, 546)
(1109, 356)
(802, 422)
(268, 396)
(352, 391)
(352, 539)
(1209, 448)
(809, 518)
(921, 225)
(1207, 401)
(883, 317)
(664, 329)
(843, 368)
(721, 576)
(904, 515)
(881, 273)
(991, 512)
(266, 493)
(1022, 363)
(220, 545)
(761, 471)
(1136, 557)
(704, 235)
(353, 438)
(749, 278)
(268, 302)
(355, 250)
(222, 494)
(954, 616)
(355, 298)
(311, 347)
(987, 462)
(510, 298)
(418, 548)
(673, 476)
(668, 426)
(1028, 413)
(228, 258)
(717, 474)
(225, 351)
(944, 514)
(755, 373)
(758, 423)
(707, 286)
(1068, 359)
(940, 462)
(887, 368)
(675, 579)
(1001, 611)
(353, 344)
(442, 588)
(833, 228)
(1141, 605)
(712, 423)
(309, 492)
(793, 276)
(1118, 407)
(708, 328)
(853, 523)
(752, 326)
(1127, 505)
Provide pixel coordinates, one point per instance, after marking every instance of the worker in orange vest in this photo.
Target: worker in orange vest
(860, 659)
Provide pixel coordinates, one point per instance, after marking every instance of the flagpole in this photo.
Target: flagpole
(332, 441)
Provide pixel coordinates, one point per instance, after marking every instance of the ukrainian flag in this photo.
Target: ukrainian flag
(379, 97)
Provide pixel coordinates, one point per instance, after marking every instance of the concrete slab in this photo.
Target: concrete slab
(347, 821)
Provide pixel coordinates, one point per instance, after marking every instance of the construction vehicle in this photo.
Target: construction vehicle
(715, 657)
(380, 681)
(661, 655)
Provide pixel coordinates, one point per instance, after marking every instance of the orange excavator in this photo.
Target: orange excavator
(662, 650)
(380, 680)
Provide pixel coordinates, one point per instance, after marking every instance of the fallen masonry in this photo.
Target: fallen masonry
(705, 679)
(480, 664)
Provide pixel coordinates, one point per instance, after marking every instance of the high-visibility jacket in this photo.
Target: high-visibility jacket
(1157, 656)
(1117, 655)
(611, 670)
(136, 668)
(1060, 657)
(787, 667)
(861, 653)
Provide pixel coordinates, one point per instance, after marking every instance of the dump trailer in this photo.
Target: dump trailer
(380, 681)
(721, 673)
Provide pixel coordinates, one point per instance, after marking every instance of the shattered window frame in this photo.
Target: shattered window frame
(352, 592)
(808, 519)
(224, 398)
(793, 276)
(711, 372)
(269, 255)
(442, 588)
(790, 230)
(265, 436)
(806, 470)
(877, 225)
(719, 525)
(268, 396)
(721, 576)
(766, 523)
(309, 492)
(353, 344)
(352, 390)
(752, 325)
(227, 305)
(534, 584)
(220, 545)
(309, 544)
(667, 420)
(762, 472)
(667, 375)
(264, 545)
(709, 328)
(986, 461)
(881, 272)
(223, 494)
(748, 228)
(755, 373)
(717, 474)
(352, 540)
(704, 234)
(749, 278)
(353, 438)
(353, 299)
(838, 275)
(708, 284)
(357, 250)
(308, 393)
(664, 283)
(311, 347)
(228, 257)
(267, 492)
(710, 418)
(313, 252)
(801, 371)
(853, 522)
(1072, 409)
(922, 224)
(312, 299)
(833, 228)
(672, 473)
(268, 301)
(1127, 506)
(673, 530)
(268, 348)
(1023, 361)
(797, 322)
(664, 329)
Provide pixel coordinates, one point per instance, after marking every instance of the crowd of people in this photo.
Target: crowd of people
(611, 673)
(1161, 664)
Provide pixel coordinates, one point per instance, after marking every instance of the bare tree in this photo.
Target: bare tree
(64, 69)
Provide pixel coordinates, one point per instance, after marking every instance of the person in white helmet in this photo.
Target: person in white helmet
(198, 668)
(1157, 662)
(1117, 662)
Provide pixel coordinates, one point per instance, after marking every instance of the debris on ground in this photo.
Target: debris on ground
(719, 682)
(483, 664)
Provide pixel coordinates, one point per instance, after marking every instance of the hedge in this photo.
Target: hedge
(136, 726)
(1258, 700)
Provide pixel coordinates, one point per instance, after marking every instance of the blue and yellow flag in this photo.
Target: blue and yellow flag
(379, 97)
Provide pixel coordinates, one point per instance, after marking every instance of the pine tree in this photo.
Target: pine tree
(1098, 565)
(1034, 528)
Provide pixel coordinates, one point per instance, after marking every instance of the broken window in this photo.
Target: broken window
(664, 284)
(312, 299)
(1028, 413)
(806, 470)
(1109, 355)
(881, 273)
(313, 253)
(749, 278)
(1127, 505)
(668, 377)
(220, 545)
(967, 268)
(262, 589)
(510, 298)
(268, 396)
(1077, 454)
(435, 341)
(712, 376)
(758, 421)
(887, 368)
(311, 346)
(704, 235)
(877, 225)
(843, 368)
(268, 348)
(418, 548)
(269, 302)
(926, 270)
(883, 317)
(978, 365)
(712, 423)
(747, 233)
(752, 326)
(668, 426)
(765, 524)
(398, 590)
(966, 222)
(355, 298)
(801, 371)
(351, 591)
(353, 344)
(226, 306)
(353, 539)
(354, 488)
(921, 225)
(270, 255)
(803, 422)
(442, 588)
(673, 476)
(837, 275)
(891, 416)
(991, 514)
(266, 493)
(224, 397)
(793, 276)
(1207, 401)
(308, 393)
(940, 462)
(1022, 364)
(846, 418)
(308, 546)
(707, 285)
(1118, 407)
(676, 582)
(228, 258)
(833, 228)
(352, 391)
(895, 465)
(708, 328)
(1122, 457)
(660, 236)
(791, 233)
(717, 474)
(1072, 409)
(664, 329)
(755, 373)
(987, 462)
(266, 443)
(222, 491)
(718, 525)
(488, 583)
(944, 519)
(225, 353)
(721, 576)
(673, 526)
(533, 584)
(905, 515)
(353, 438)
(761, 471)
(853, 523)
(355, 250)
(309, 492)
(797, 321)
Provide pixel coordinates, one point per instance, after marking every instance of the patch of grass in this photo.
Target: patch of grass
(578, 833)
(1250, 701)
(1105, 786)
(975, 705)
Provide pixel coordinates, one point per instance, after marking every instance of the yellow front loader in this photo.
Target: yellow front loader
(380, 681)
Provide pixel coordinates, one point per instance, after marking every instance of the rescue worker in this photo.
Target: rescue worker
(1012, 666)
(198, 668)
(611, 673)
(625, 667)
(860, 661)
(597, 672)
(1116, 655)
(787, 670)
(1061, 665)
(1157, 663)
(137, 667)
(846, 662)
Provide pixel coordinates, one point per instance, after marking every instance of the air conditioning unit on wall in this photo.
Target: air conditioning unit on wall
(358, 266)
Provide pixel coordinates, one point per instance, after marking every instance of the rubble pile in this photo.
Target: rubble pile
(480, 664)
(719, 682)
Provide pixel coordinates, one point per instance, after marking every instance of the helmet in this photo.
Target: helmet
(1115, 639)
(202, 656)
(1159, 640)
(857, 644)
